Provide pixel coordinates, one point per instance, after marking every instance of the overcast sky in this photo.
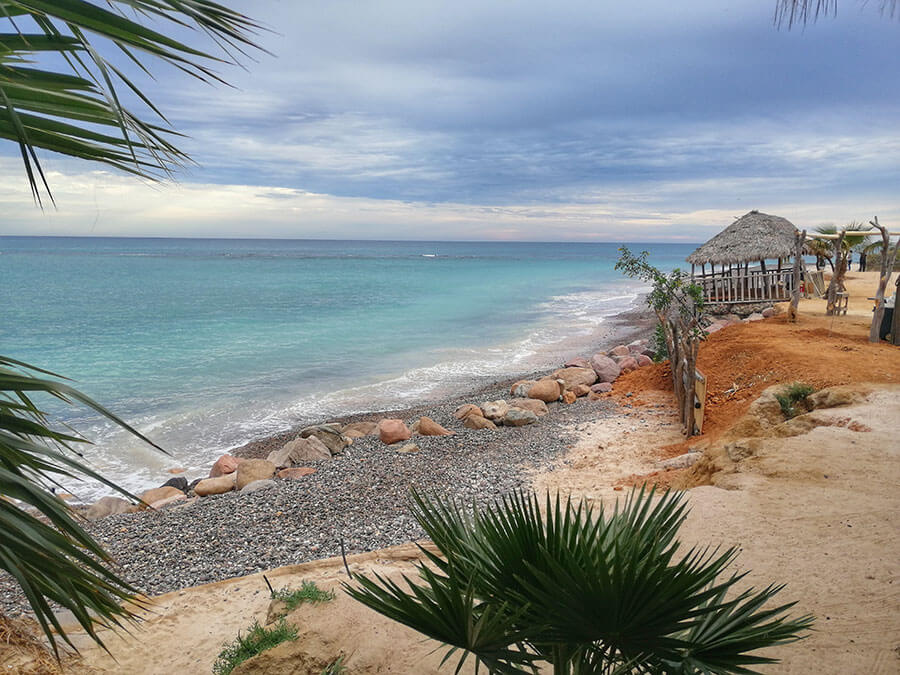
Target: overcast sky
(647, 121)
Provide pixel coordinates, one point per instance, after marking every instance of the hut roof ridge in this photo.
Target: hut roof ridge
(753, 236)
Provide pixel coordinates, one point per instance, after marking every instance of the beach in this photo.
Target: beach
(810, 505)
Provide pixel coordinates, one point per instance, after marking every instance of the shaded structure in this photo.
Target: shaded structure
(733, 265)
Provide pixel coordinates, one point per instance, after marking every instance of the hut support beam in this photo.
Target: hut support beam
(795, 290)
(887, 266)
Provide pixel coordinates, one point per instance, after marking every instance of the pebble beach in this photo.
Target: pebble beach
(359, 498)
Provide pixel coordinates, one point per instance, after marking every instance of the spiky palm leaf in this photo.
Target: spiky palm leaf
(587, 592)
(801, 12)
(53, 559)
(71, 105)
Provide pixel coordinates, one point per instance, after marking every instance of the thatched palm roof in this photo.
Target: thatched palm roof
(754, 236)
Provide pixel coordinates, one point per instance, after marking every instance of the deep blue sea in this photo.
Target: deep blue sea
(205, 344)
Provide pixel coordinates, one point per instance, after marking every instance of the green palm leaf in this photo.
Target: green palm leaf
(586, 592)
(79, 112)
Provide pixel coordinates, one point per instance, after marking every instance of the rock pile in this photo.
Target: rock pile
(528, 401)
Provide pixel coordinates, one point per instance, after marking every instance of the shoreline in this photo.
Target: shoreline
(635, 322)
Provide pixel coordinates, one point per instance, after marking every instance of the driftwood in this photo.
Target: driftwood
(795, 292)
(887, 266)
(837, 278)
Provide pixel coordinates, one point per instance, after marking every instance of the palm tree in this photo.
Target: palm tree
(584, 592)
(59, 92)
(803, 11)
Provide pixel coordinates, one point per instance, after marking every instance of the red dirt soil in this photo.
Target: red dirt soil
(743, 359)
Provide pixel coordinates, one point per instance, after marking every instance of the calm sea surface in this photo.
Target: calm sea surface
(205, 344)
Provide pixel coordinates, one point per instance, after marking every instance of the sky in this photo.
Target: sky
(486, 120)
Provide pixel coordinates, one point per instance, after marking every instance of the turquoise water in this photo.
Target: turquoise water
(205, 344)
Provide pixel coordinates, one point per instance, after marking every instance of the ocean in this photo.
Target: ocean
(205, 344)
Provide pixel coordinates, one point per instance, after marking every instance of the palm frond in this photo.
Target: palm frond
(79, 112)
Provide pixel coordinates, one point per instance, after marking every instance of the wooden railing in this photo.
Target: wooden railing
(740, 286)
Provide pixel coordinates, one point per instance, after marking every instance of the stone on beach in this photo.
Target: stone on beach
(577, 362)
(520, 388)
(607, 370)
(474, 421)
(179, 482)
(295, 472)
(539, 408)
(108, 506)
(159, 503)
(392, 431)
(160, 493)
(619, 350)
(575, 375)
(428, 427)
(408, 448)
(298, 451)
(215, 486)
(260, 484)
(627, 365)
(517, 417)
(359, 429)
(330, 435)
(224, 465)
(602, 387)
(546, 390)
(643, 360)
(251, 470)
(495, 410)
(769, 312)
(581, 390)
(466, 409)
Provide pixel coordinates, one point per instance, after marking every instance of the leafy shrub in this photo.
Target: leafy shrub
(308, 592)
(658, 344)
(791, 396)
(257, 640)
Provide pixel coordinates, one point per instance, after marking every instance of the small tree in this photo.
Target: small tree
(677, 303)
(888, 257)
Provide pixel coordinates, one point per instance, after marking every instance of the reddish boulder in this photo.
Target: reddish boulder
(392, 431)
(602, 388)
(569, 397)
(160, 493)
(474, 421)
(607, 370)
(581, 390)
(643, 360)
(546, 390)
(359, 429)
(575, 375)
(539, 408)
(627, 365)
(577, 362)
(619, 350)
(252, 470)
(428, 427)
(224, 465)
(521, 388)
(466, 409)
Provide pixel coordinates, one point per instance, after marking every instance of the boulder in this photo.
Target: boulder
(359, 429)
(715, 326)
(619, 350)
(643, 360)
(428, 427)
(574, 375)
(768, 312)
(175, 470)
(577, 362)
(466, 409)
(649, 352)
(607, 370)
(756, 316)
(408, 448)
(474, 421)
(520, 388)
(627, 365)
(295, 472)
(215, 486)
(108, 506)
(392, 431)
(160, 493)
(732, 318)
(253, 469)
(256, 485)
(569, 397)
(539, 408)
(159, 503)
(581, 390)
(495, 410)
(330, 435)
(546, 390)
(224, 465)
(594, 396)
(517, 417)
(300, 451)
(637, 346)
(602, 388)
(179, 482)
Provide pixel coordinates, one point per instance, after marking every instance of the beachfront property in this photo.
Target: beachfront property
(751, 261)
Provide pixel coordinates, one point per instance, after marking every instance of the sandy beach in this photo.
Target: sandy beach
(811, 503)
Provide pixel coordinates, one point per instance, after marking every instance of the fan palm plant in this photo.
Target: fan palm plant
(585, 592)
(59, 92)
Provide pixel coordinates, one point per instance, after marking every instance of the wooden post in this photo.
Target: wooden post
(837, 278)
(795, 279)
(887, 266)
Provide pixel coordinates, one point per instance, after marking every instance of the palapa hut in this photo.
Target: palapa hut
(732, 265)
